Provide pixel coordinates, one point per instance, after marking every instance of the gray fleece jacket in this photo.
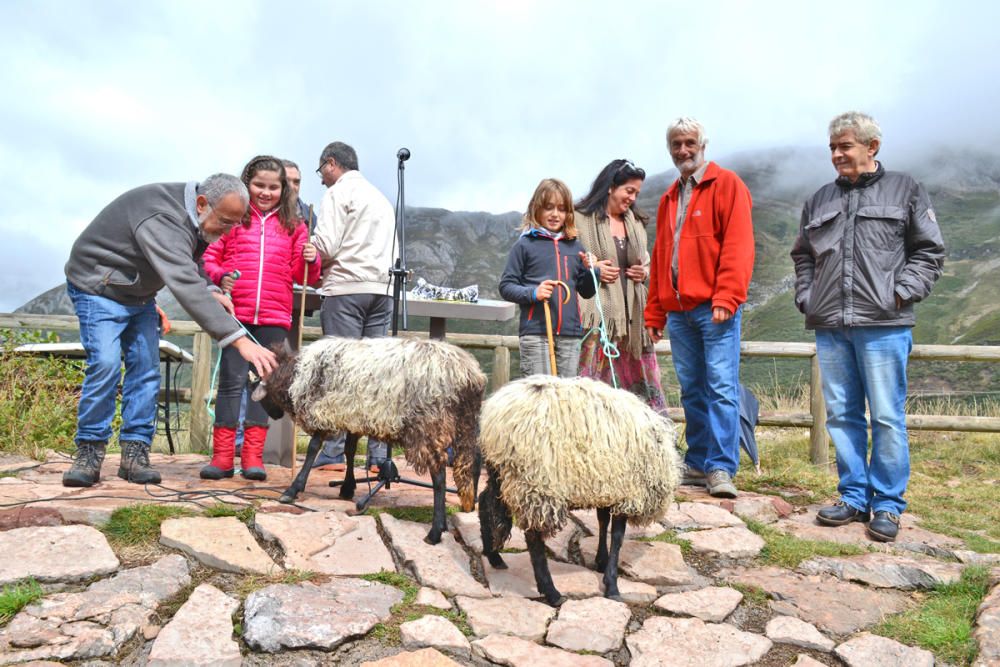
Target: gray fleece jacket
(147, 238)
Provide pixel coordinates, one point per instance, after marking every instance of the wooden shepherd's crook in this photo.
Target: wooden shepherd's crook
(548, 326)
(302, 323)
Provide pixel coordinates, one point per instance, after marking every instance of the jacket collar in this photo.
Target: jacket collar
(541, 233)
(711, 172)
(864, 180)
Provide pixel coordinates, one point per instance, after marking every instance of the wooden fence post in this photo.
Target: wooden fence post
(501, 366)
(818, 449)
(201, 375)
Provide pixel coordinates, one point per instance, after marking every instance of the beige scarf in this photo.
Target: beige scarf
(623, 327)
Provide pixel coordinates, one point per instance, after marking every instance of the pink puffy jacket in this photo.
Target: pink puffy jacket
(268, 259)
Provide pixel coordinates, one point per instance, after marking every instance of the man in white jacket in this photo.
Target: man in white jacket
(354, 236)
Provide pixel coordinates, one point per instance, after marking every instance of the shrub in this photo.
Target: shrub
(38, 397)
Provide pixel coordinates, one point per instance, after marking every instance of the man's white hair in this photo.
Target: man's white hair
(688, 124)
(218, 186)
(865, 128)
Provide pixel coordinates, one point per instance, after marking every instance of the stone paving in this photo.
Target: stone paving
(313, 584)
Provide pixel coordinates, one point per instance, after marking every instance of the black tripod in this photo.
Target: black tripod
(388, 473)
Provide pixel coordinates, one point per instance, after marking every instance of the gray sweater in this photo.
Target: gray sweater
(141, 241)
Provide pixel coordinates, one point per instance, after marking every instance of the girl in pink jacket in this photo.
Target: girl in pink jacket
(270, 250)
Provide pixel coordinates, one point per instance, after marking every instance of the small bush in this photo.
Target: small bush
(38, 397)
(15, 597)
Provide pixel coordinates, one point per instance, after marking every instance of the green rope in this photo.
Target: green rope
(215, 373)
(608, 346)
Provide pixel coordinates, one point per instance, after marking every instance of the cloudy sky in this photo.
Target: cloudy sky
(490, 97)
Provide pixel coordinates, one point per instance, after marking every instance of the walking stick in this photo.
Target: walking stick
(548, 327)
(302, 317)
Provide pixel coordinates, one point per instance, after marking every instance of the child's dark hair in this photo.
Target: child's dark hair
(614, 174)
(288, 209)
(550, 188)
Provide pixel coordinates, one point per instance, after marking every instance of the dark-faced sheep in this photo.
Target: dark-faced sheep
(422, 395)
(552, 445)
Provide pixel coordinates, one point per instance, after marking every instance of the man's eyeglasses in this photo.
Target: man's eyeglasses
(319, 171)
(223, 221)
(628, 168)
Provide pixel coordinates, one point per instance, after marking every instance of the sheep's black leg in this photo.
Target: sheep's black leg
(540, 564)
(299, 483)
(494, 521)
(350, 449)
(611, 571)
(603, 518)
(438, 524)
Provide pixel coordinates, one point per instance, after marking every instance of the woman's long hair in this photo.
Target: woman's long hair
(288, 208)
(616, 173)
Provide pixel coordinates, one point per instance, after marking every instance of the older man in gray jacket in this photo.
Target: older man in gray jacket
(868, 248)
(147, 238)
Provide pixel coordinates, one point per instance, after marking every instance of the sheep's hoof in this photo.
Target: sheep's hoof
(287, 498)
(346, 493)
(555, 600)
(433, 537)
(616, 597)
(496, 560)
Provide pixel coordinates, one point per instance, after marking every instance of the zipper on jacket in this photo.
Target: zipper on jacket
(260, 268)
(558, 295)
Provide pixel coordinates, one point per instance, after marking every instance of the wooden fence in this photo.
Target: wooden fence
(501, 346)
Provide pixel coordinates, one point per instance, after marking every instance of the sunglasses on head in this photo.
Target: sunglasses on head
(628, 168)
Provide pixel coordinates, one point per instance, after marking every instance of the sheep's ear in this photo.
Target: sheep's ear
(258, 391)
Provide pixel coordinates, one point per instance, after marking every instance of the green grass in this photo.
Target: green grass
(753, 595)
(14, 597)
(404, 611)
(254, 582)
(416, 514)
(245, 514)
(139, 524)
(943, 623)
(787, 551)
(670, 537)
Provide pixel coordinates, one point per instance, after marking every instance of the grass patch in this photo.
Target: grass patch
(753, 595)
(406, 610)
(254, 582)
(14, 597)
(670, 537)
(416, 514)
(139, 524)
(788, 551)
(245, 514)
(943, 623)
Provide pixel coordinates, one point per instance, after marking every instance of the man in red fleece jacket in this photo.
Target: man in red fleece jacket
(701, 266)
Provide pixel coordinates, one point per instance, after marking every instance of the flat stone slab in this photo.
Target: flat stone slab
(790, 630)
(762, 509)
(444, 566)
(734, 542)
(96, 622)
(200, 633)
(315, 616)
(976, 558)
(690, 642)
(507, 615)
(805, 661)
(699, 516)
(434, 632)
(516, 652)
(883, 570)
(327, 542)
(223, 543)
(911, 536)
(467, 525)
(866, 649)
(655, 563)
(987, 629)
(595, 624)
(712, 604)
(432, 598)
(518, 579)
(835, 606)
(55, 554)
(425, 657)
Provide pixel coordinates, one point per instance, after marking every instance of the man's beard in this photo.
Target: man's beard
(209, 238)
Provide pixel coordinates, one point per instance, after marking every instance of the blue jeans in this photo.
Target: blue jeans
(109, 330)
(859, 363)
(706, 358)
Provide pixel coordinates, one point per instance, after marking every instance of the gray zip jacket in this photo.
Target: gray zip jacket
(143, 240)
(861, 245)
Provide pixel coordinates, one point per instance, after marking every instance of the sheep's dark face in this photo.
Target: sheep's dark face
(260, 394)
(272, 394)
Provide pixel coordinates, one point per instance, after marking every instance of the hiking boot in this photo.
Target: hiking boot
(884, 526)
(691, 477)
(840, 514)
(135, 463)
(87, 460)
(720, 485)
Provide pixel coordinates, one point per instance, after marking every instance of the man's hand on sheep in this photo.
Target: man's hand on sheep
(262, 359)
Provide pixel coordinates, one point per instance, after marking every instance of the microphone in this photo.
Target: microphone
(403, 154)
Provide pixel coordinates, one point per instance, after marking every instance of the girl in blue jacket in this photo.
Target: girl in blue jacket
(544, 263)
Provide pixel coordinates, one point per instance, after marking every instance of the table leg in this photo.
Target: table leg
(437, 328)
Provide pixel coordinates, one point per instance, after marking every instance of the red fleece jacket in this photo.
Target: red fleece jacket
(716, 247)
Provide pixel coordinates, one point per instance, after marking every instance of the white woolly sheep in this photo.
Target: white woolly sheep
(423, 395)
(552, 445)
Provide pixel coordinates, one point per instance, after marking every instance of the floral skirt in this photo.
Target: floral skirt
(639, 375)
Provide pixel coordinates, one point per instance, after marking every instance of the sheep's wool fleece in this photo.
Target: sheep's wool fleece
(563, 444)
(376, 385)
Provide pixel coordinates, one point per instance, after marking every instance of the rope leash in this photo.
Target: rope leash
(215, 373)
(608, 346)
